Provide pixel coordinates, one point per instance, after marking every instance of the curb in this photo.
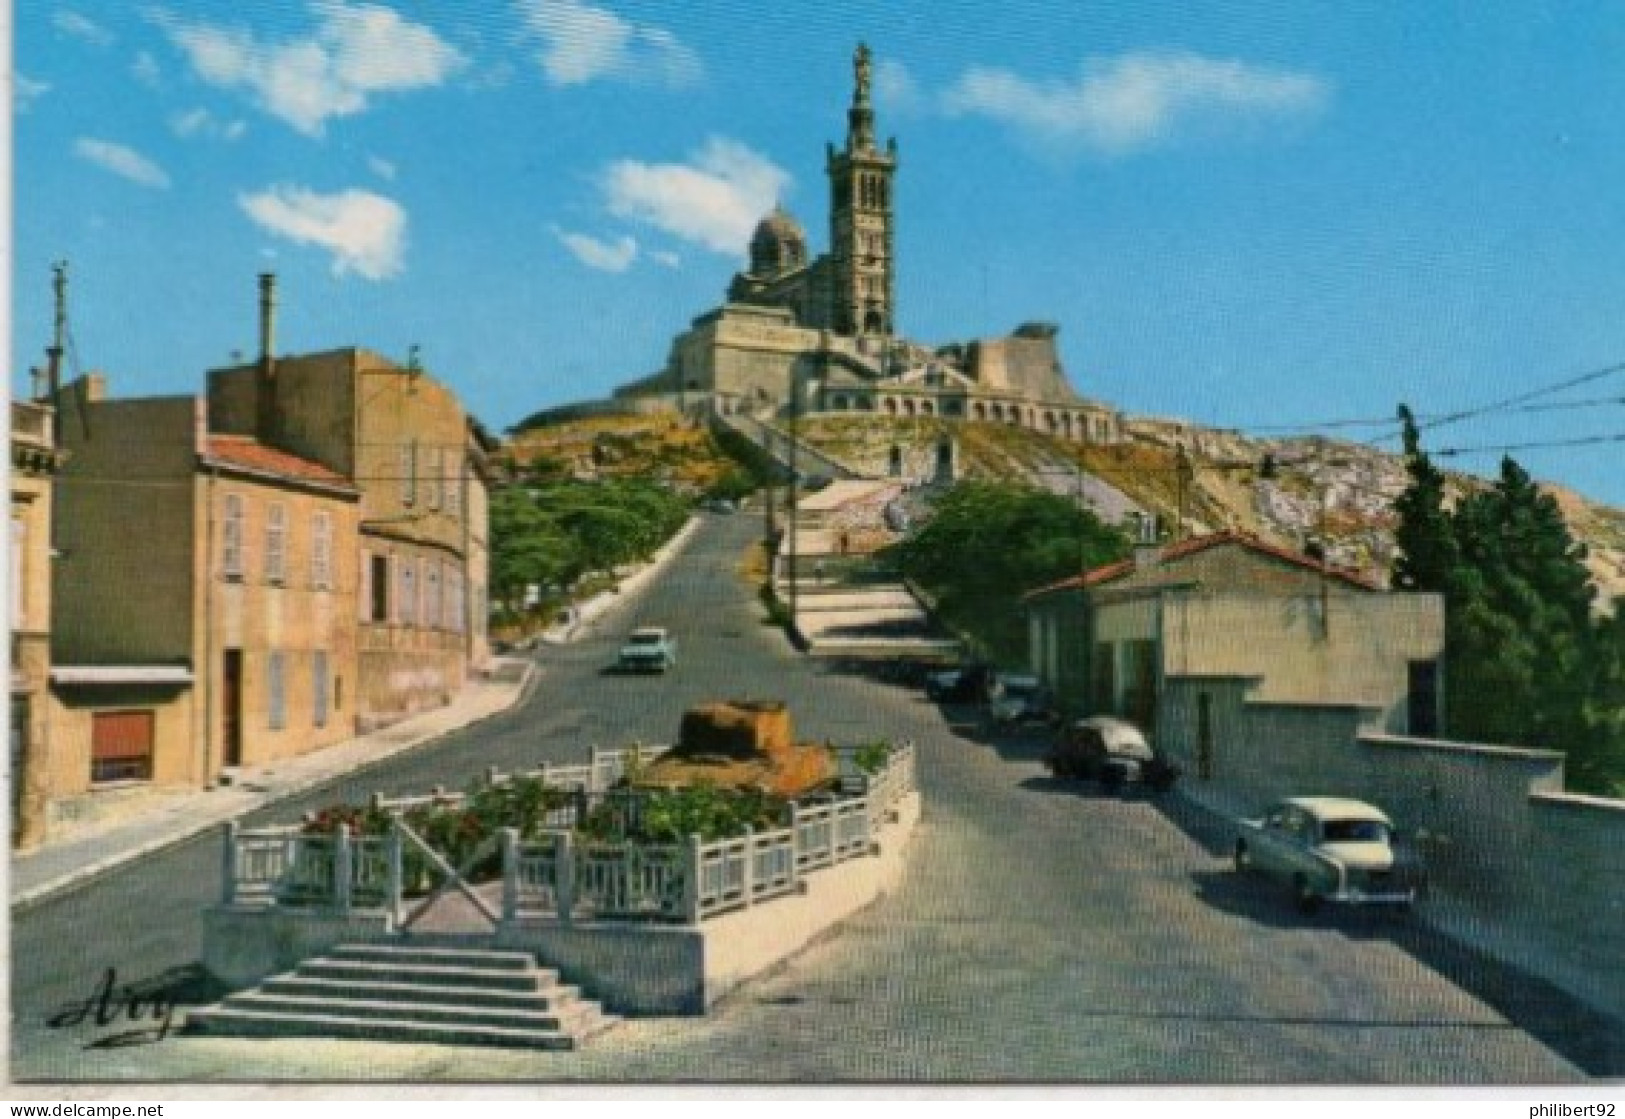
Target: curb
(602, 604)
(30, 899)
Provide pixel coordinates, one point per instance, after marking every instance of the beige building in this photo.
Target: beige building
(204, 599)
(34, 461)
(420, 466)
(1222, 644)
(819, 334)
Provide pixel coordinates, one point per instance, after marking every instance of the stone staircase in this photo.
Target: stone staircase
(408, 993)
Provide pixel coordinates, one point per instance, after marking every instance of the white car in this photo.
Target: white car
(1328, 849)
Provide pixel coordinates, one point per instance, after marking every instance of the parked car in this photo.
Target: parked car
(966, 684)
(1111, 751)
(649, 649)
(1329, 849)
(1017, 700)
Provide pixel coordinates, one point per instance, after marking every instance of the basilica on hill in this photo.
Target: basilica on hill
(819, 334)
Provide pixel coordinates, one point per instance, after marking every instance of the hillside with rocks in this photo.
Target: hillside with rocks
(1289, 491)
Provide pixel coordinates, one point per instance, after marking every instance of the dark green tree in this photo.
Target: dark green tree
(988, 543)
(1425, 538)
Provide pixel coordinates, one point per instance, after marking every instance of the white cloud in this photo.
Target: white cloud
(581, 43)
(606, 256)
(123, 161)
(365, 232)
(1118, 105)
(356, 52)
(666, 259)
(895, 87)
(72, 23)
(25, 91)
(146, 71)
(715, 200)
(201, 122)
(381, 167)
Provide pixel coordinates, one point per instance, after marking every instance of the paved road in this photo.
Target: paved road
(1043, 935)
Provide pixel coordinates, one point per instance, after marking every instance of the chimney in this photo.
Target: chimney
(265, 378)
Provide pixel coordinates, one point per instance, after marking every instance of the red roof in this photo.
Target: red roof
(245, 453)
(1190, 547)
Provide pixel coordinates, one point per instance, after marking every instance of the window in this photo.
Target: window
(319, 685)
(1422, 699)
(321, 551)
(454, 486)
(431, 596)
(121, 746)
(231, 547)
(409, 473)
(407, 607)
(379, 582)
(454, 600)
(276, 683)
(433, 478)
(276, 541)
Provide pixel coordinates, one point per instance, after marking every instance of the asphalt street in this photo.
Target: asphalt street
(1045, 934)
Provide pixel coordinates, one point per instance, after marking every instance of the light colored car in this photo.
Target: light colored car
(1328, 849)
(648, 649)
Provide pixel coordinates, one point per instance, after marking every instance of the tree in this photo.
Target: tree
(1425, 538)
(1526, 662)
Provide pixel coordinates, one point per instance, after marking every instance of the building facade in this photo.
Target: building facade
(34, 463)
(204, 600)
(1221, 644)
(420, 466)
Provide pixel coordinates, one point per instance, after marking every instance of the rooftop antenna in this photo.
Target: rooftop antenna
(59, 335)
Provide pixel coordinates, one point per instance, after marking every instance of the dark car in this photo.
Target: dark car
(1112, 752)
(967, 684)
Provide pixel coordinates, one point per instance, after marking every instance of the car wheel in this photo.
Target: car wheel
(1305, 898)
(1244, 859)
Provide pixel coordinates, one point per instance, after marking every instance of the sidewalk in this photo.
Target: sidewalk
(166, 819)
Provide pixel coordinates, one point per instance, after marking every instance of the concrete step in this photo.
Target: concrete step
(420, 993)
(433, 956)
(298, 985)
(362, 1004)
(254, 1023)
(429, 975)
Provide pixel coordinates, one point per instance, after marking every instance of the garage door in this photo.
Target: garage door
(121, 746)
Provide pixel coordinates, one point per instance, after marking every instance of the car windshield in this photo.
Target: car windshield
(648, 638)
(1354, 831)
(1020, 689)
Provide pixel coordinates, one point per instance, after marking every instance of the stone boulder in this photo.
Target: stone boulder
(741, 744)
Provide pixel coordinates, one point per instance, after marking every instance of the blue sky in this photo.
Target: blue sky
(1248, 214)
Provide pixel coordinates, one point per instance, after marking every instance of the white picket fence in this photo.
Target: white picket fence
(556, 877)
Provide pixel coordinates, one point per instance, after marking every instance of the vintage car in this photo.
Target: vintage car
(648, 649)
(967, 684)
(1112, 752)
(1328, 849)
(1017, 700)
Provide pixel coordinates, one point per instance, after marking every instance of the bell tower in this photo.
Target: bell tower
(860, 217)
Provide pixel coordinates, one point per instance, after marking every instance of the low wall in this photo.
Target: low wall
(1516, 866)
(632, 969)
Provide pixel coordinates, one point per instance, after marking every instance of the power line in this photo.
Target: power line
(1507, 403)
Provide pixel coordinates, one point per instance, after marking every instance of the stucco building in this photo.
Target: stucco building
(820, 334)
(1223, 645)
(204, 599)
(420, 465)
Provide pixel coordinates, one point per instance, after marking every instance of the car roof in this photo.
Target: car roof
(649, 631)
(1339, 808)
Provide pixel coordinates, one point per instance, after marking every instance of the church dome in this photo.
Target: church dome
(779, 244)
